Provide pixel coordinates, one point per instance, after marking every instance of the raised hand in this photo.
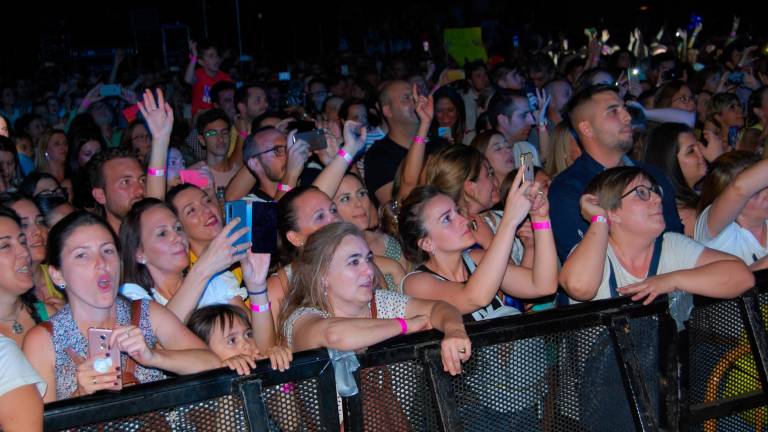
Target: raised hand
(255, 268)
(298, 153)
(518, 203)
(590, 207)
(221, 252)
(157, 113)
(354, 137)
(130, 340)
(425, 107)
(543, 100)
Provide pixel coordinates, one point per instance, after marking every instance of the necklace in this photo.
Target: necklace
(16, 327)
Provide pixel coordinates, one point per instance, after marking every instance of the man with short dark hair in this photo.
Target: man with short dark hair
(117, 182)
(213, 132)
(511, 116)
(602, 123)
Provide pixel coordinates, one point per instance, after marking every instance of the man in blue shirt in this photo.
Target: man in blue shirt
(602, 123)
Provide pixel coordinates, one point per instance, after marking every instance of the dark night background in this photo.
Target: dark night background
(33, 31)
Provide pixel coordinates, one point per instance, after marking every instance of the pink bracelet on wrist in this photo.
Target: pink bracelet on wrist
(347, 157)
(258, 308)
(419, 139)
(543, 225)
(403, 325)
(282, 187)
(600, 219)
(156, 172)
(243, 134)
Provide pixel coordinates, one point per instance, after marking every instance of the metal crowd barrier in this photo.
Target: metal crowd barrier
(603, 366)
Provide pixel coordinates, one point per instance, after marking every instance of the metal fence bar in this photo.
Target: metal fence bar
(253, 403)
(637, 393)
(442, 392)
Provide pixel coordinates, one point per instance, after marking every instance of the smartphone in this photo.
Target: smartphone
(315, 138)
(301, 126)
(345, 70)
(264, 227)
(108, 90)
(239, 209)
(103, 355)
(194, 177)
(284, 76)
(456, 75)
(526, 164)
(260, 217)
(633, 74)
(444, 131)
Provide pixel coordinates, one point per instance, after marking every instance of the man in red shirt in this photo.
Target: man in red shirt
(203, 78)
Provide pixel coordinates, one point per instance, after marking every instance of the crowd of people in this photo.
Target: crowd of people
(416, 210)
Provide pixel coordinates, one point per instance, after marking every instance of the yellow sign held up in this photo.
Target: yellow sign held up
(465, 44)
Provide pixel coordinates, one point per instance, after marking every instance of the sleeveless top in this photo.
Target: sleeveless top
(66, 334)
(496, 308)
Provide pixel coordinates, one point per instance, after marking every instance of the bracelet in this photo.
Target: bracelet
(156, 172)
(600, 219)
(403, 325)
(543, 225)
(255, 293)
(347, 157)
(261, 308)
(243, 134)
(282, 187)
(419, 140)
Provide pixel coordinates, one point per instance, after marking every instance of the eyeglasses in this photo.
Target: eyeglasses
(644, 192)
(212, 133)
(279, 151)
(59, 191)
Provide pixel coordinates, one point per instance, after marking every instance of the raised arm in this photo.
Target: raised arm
(240, 185)
(255, 269)
(330, 177)
(729, 204)
(582, 272)
(159, 118)
(414, 159)
(189, 73)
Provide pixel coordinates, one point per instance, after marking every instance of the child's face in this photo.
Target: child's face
(232, 341)
(211, 60)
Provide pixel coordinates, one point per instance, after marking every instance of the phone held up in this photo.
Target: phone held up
(526, 164)
(103, 356)
(261, 219)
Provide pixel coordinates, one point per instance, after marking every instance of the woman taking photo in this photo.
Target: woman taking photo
(626, 252)
(84, 261)
(438, 237)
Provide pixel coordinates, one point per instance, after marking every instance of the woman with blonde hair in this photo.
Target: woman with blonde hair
(564, 150)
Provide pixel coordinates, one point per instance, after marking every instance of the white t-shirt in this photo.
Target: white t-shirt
(15, 370)
(678, 252)
(733, 239)
(220, 290)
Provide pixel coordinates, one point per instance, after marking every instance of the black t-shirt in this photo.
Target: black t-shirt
(383, 159)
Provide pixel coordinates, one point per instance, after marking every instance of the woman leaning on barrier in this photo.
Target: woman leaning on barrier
(84, 260)
(626, 252)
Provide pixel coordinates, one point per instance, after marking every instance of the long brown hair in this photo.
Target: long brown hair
(309, 270)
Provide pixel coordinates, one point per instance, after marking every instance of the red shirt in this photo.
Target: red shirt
(201, 91)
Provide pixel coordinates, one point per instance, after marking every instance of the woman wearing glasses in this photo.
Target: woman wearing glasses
(626, 252)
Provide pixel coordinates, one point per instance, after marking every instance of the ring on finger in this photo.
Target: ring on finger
(93, 381)
(463, 350)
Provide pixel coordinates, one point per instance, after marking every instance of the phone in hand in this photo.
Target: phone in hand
(108, 90)
(444, 131)
(735, 79)
(260, 217)
(526, 164)
(315, 138)
(102, 355)
(194, 177)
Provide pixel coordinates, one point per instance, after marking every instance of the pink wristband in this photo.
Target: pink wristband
(543, 225)
(156, 172)
(261, 308)
(600, 219)
(192, 58)
(283, 187)
(243, 134)
(403, 325)
(347, 157)
(419, 140)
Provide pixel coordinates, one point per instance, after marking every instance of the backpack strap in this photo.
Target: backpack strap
(129, 374)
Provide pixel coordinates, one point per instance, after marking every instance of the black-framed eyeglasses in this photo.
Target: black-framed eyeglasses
(644, 192)
(279, 151)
